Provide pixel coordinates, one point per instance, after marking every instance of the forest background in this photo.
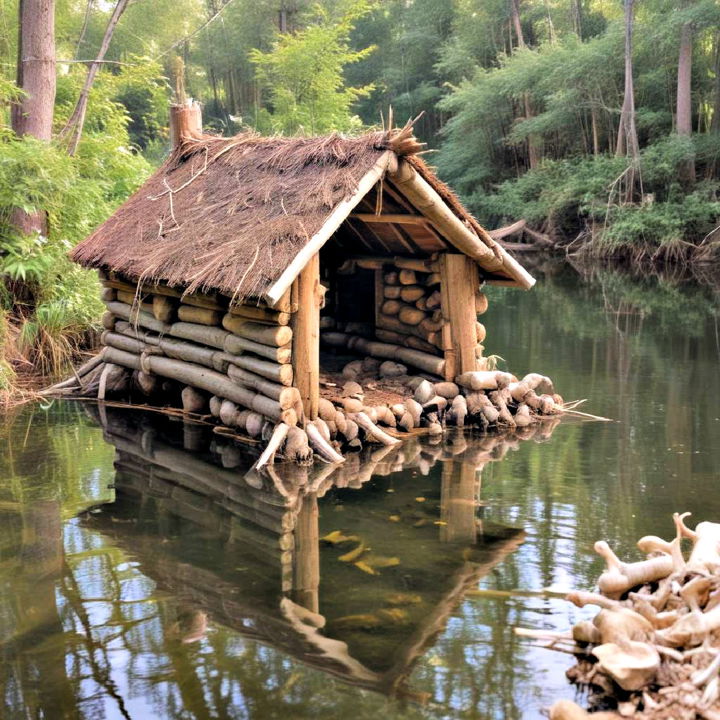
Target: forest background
(597, 122)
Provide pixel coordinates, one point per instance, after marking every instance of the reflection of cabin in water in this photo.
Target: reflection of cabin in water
(253, 558)
(218, 269)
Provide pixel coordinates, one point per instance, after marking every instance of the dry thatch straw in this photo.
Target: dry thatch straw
(230, 214)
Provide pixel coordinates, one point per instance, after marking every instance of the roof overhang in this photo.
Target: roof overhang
(491, 257)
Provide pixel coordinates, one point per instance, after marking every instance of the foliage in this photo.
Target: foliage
(303, 74)
(59, 301)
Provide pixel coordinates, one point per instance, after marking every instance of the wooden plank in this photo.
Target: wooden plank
(306, 337)
(459, 282)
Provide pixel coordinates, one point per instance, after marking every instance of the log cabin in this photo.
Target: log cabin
(241, 258)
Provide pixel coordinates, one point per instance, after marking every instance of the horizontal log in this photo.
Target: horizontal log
(421, 360)
(276, 372)
(205, 379)
(288, 397)
(407, 277)
(135, 300)
(199, 315)
(390, 218)
(481, 303)
(267, 335)
(122, 357)
(137, 317)
(410, 341)
(128, 344)
(411, 315)
(391, 307)
(411, 293)
(163, 308)
(238, 346)
(389, 322)
(261, 314)
(201, 334)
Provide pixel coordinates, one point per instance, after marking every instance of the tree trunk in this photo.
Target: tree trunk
(684, 96)
(627, 140)
(532, 149)
(33, 115)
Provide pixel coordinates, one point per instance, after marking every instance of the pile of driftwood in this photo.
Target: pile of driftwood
(653, 650)
(484, 398)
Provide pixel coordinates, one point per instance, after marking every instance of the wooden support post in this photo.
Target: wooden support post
(306, 337)
(459, 283)
(458, 498)
(306, 560)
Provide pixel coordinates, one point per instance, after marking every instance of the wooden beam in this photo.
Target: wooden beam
(459, 283)
(333, 222)
(424, 197)
(398, 197)
(389, 218)
(306, 337)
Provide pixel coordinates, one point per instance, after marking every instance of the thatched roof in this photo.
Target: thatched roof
(231, 214)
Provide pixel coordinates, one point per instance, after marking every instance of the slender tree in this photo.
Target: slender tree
(534, 153)
(33, 114)
(684, 95)
(74, 126)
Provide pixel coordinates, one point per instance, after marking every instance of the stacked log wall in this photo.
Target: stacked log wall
(239, 356)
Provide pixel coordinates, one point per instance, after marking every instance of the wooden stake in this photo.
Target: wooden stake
(306, 337)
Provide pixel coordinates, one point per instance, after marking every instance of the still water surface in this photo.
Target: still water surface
(141, 579)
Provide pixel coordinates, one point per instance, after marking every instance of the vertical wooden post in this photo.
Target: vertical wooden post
(459, 284)
(306, 337)
(458, 499)
(306, 561)
(185, 122)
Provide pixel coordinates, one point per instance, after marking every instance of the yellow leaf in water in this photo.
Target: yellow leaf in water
(390, 490)
(336, 537)
(402, 599)
(439, 522)
(357, 621)
(397, 615)
(365, 568)
(353, 554)
(419, 499)
(379, 561)
(394, 518)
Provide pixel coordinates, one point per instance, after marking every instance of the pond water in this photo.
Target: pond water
(142, 576)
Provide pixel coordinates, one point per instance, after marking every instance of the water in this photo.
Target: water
(169, 588)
